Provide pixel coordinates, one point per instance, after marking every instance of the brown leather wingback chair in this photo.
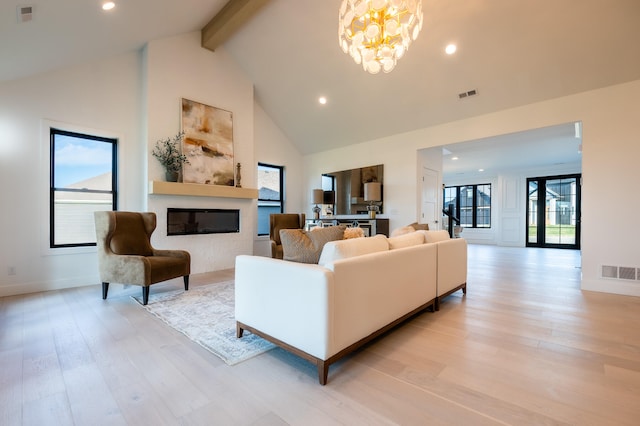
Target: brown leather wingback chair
(125, 254)
(282, 221)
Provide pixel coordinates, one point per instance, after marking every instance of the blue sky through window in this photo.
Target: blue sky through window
(78, 159)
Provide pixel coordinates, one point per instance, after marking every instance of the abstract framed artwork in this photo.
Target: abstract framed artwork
(207, 143)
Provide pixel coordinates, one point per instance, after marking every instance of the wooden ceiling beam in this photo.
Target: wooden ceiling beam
(232, 16)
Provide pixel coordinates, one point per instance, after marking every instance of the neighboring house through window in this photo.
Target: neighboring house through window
(471, 204)
(270, 194)
(83, 179)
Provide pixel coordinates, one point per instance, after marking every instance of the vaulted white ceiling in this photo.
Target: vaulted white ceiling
(512, 52)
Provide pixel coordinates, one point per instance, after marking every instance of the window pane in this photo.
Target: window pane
(483, 208)
(82, 182)
(466, 206)
(73, 212)
(450, 199)
(560, 221)
(270, 194)
(474, 202)
(82, 163)
(263, 217)
(269, 183)
(532, 220)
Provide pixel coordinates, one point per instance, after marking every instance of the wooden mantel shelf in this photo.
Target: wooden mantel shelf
(199, 190)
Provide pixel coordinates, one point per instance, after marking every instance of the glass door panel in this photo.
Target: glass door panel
(532, 213)
(560, 226)
(553, 212)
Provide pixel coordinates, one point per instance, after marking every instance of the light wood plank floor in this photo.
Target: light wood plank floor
(524, 346)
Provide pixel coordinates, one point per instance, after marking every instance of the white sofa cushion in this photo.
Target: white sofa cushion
(406, 240)
(435, 236)
(343, 249)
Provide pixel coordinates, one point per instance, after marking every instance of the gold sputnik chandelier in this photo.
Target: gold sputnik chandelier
(376, 33)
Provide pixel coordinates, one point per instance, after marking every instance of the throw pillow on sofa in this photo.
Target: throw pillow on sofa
(336, 250)
(353, 233)
(420, 226)
(305, 246)
(415, 226)
(406, 240)
(402, 231)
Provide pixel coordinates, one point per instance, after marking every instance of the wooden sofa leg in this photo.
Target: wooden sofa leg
(105, 290)
(145, 295)
(464, 288)
(323, 372)
(186, 282)
(239, 331)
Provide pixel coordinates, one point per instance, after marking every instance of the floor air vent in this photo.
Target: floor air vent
(620, 272)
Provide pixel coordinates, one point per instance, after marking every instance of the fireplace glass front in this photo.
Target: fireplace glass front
(202, 221)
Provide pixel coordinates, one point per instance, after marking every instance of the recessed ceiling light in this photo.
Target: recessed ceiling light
(481, 170)
(454, 158)
(108, 5)
(322, 100)
(450, 49)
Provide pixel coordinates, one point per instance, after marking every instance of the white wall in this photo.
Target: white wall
(178, 68)
(273, 147)
(611, 147)
(99, 97)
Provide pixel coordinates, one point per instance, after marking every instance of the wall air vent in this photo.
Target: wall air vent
(25, 14)
(620, 273)
(467, 94)
(627, 273)
(609, 271)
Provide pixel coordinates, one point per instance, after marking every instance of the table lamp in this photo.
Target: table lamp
(316, 198)
(372, 194)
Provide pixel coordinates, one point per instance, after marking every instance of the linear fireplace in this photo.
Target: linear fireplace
(202, 221)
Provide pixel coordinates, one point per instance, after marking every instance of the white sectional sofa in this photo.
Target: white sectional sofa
(452, 263)
(359, 289)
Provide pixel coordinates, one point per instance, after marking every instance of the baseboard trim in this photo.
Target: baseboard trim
(15, 289)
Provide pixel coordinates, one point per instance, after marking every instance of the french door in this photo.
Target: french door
(553, 211)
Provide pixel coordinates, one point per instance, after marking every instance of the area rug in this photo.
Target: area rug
(205, 314)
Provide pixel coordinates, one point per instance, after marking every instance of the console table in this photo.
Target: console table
(370, 226)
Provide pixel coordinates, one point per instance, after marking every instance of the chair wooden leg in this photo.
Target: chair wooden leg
(186, 282)
(105, 290)
(145, 295)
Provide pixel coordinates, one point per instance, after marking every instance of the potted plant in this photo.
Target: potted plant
(168, 153)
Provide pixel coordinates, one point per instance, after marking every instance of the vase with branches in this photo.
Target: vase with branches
(168, 153)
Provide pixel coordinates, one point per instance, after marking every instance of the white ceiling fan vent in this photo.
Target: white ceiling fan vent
(25, 13)
(467, 94)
